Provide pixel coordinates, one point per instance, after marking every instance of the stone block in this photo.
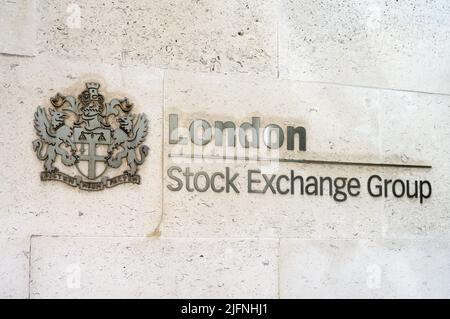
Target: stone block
(389, 44)
(14, 267)
(33, 207)
(153, 268)
(364, 269)
(18, 22)
(200, 36)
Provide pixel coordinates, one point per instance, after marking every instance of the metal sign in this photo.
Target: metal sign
(91, 135)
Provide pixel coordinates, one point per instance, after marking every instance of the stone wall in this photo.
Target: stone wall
(369, 81)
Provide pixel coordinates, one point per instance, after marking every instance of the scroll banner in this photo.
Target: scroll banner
(76, 181)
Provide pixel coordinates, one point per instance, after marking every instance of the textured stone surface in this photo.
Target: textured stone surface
(147, 241)
(230, 36)
(392, 44)
(364, 269)
(34, 207)
(19, 27)
(153, 268)
(417, 126)
(342, 123)
(14, 267)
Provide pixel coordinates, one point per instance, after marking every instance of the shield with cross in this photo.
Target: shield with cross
(92, 148)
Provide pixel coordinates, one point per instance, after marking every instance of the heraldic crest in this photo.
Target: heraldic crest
(92, 136)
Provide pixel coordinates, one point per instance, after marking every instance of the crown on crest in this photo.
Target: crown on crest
(92, 85)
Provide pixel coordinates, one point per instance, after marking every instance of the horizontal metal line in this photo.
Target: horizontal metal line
(301, 161)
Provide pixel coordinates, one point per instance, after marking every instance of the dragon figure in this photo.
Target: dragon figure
(55, 133)
(129, 137)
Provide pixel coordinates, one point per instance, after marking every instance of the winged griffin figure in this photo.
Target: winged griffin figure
(55, 133)
(102, 136)
(129, 138)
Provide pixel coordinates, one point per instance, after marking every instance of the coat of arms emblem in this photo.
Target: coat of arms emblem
(92, 137)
